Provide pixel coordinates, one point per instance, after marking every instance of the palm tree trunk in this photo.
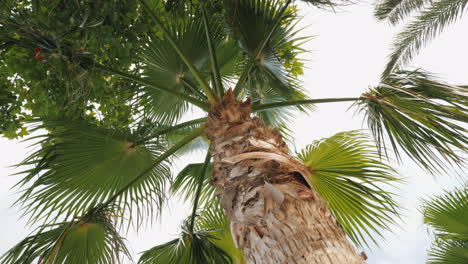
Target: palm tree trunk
(276, 217)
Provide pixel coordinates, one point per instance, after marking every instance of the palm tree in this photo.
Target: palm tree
(431, 20)
(253, 200)
(447, 215)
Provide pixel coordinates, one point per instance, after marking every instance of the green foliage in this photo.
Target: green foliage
(422, 29)
(395, 11)
(250, 23)
(419, 115)
(164, 66)
(186, 182)
(447, 214)
(123, 73)
(89, 239)
(347, 172)
(195, 247)
(214, 218)
(82, 165)
(50, 51)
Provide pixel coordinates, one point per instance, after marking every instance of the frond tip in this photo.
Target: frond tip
(424, 28)
(422, 116)
(195, 247)
(347, 173)
(396, 10)
(448, 215)
(90, 239)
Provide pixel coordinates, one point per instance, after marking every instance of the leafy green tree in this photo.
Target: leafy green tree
(108, 83)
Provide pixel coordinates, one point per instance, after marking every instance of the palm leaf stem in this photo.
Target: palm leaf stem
(261, 107)
(214, 61)
(212, 97)
(160, 159)
(192, 89)
(199, 188)
(57, 245)
(172, 128)
(194, 101)
(251, 63)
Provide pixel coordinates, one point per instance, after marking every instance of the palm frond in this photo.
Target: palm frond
(448, 252)
(80, 165)
(329, 4)
(195, 247)
(395, 11)
(424, 28)
(211, 216)
(89, 239)
(347, 172)
(211, 96)
(420, 115)
(186, 182)
(251, 24)
(281, 119)
(162, 65)
(447, 214)
(214, 218)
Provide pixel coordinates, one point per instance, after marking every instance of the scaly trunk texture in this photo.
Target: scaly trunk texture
(276, 217)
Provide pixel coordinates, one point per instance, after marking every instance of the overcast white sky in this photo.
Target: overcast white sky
(346, 56)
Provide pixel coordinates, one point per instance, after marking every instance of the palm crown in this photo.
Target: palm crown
(87, 177)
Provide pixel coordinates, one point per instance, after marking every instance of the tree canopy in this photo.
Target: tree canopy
(107, 83)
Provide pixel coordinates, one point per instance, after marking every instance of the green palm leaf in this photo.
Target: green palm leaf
(448, 252)
(396, 10)
(211, 216)
(448, 216)
(195, 247)
(81, 165)
(186, 182)
(422, 116)
(214, 218)
(164, 66)
(251, 24)
(425, 27)
(347, 172)
(90, 239)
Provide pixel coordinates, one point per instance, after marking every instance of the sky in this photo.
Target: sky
(346, 56)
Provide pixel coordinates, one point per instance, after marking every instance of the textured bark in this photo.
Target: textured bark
(276, 217)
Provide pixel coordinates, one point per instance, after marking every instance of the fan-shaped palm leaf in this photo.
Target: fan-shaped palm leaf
(194, 247)
(186, 183)
(193, 184)
(164, 66)
(266, 34)
(81, 165)
(89, 239)
(448, 216)
(214, 218)
(420, 115)
(425, 27)
(448, 252)
(396, 10)
(347, 173)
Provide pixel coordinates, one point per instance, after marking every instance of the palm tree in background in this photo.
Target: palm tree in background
(253, 200)
(431, 18)
(447, 215)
